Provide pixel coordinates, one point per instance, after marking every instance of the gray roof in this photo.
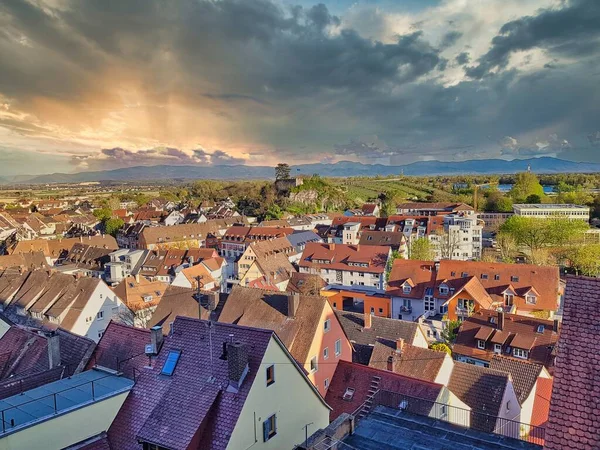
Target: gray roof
(303, 237)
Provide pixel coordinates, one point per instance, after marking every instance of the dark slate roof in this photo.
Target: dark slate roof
(574, 418)
(482, 389)
(152, 411)
(382, 329)
(523, 373)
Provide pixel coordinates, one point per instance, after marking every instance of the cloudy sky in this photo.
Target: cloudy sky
(98, 84)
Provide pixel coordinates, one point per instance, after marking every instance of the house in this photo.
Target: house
(152, 264)
(526, 378)
(8, 225)
(229, 385)
(370, 209)
(487, 333)
(412, 361)
(275, 269)
(301, 223)
(80, 305)
(574, 417)
(128, 236)
(456, 288)
(346, 264)
(194, 277)
(365, 330)
(305, 283)
(461, 240)
(356, 298)
(306, 325)
(32, 260)
(55, 250)
(433, 209)
(32, 357)
(236, 239)
(182, 236)
(300, 239)
(86, 260)
(174, 218)
(141, 297)
(394, 239)
(63, 412)
(356, 388)
(490, 395)
(123, 263)
(264, 249)
(185, 302)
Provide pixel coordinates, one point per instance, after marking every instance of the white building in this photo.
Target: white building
(122, 264)
(461, 239)
(543, 211)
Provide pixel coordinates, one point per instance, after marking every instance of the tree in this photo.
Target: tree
(447, 243)
(507, 245)
(112, 225)
(441, 347)
(273, 212)
(585, 259)
(421, 249)
(282, 171)
(497, 202)
(526, 184)
(450, 331)
(103, 214)
(393, 257)
(533, 198)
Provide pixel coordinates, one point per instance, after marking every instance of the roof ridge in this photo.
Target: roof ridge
(388, 373)
(224, 324)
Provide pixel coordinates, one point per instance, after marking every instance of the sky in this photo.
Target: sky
(102, 84)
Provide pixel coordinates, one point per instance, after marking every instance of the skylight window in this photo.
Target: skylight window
(171, 363)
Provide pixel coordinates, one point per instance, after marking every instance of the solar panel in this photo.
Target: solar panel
(170, 363)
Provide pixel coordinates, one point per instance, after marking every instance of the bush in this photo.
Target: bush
(440, 347)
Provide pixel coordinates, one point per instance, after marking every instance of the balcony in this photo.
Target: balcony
(406, 309)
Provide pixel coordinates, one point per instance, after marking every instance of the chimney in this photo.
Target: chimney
(436, 266)
(293, 303)
(213, 300)
(391, 363)
(367, 320)
(53, 343)
(331, 246)
(556, 327)
(237, 362)
(156, 338)
(500, 325)
(399, 345)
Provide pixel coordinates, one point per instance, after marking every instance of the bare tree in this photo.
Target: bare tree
(447, 243)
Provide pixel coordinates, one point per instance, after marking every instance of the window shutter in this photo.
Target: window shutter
(266, 430)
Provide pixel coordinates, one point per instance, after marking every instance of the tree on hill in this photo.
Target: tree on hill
(526, 184)
(282, 171)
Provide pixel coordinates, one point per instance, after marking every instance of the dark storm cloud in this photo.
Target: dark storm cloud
(573, 30)
(296, 79)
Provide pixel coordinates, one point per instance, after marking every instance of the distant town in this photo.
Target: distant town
(301, 312)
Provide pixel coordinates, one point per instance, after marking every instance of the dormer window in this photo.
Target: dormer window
(508, 299)
(464, 274)
(520, 353)
(498, 348)
(484, 276)
(531, 299)
(443, 289)
(496, 277)
(481, 344)
(540, 328)
(349, 394)
(406, 288)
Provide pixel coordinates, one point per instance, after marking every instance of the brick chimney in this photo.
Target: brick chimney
(500, 325)
(367, 320)
(237, 363)
(156, 338)
(391, 363)
(53, 344)
(399, 345)
(293, 303)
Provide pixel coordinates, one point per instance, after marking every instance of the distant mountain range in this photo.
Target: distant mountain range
(340, 169)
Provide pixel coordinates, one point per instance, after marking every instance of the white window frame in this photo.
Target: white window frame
(338, 347)
(314, 364)
(498, 348)
(520, 353)
(327, 326)
(480, 344)
(326, 353)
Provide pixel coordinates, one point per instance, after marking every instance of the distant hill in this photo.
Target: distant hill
(340, 169)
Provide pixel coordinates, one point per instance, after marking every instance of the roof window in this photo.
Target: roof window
(171, 362)
(349, 394)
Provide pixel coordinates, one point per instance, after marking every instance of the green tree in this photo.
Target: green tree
(103, 214)
(498, 202)
(441, 347)
(273, 212)
(533, 199)
(507, 245)
(450, 332)
(526, 184)
(421, 249)
(282, 171)
(112, 225)
(585, 259)
(393, 257)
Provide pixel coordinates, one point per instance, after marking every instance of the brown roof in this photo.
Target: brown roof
(305, 283)
(276, 268)
(54, 248)
(140, 294)
(267, 309)
(176, 233)
(574, 418)
(83, 290)
(176, 301)
(25, 260)
(482, 389)
(518, 331)
(345, 257)
(359, 378)
(410, 361)
(191, 273)
(391, 238)
(524, 374)
(439, 206)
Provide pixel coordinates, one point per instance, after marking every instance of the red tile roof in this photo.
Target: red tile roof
(345, 257)
(152, 411)
(541, 405)
(574, 418)
(359, 377)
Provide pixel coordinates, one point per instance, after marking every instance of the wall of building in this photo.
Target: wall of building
(66, 429)
(290, 398)
(443, 376)
(510, 410)
(322, 340)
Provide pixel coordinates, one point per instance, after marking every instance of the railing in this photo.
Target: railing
(48, 401)
(406, 309)
(458, 416)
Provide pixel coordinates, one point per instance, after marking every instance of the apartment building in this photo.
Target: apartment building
(461, 240)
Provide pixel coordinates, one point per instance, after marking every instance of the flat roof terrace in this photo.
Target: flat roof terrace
(60, 397)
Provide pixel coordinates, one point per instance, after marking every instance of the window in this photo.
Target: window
(326, 353)
(429, 304)
(497, 348)
(327, 326)
(313, 364)
(519, 353)
(531, 299)
(443, 290)
(442, 411)
(496, 277)
(508, 299)
(170, 363)
(326, 383)
(100, 315)
(348, 394)
(100, 333)
(372, 310)
(338, 347)
(540, 328)
(484, 276)
(380, 310)
(270, 375)
(269, 428)
(406, 289)
(514, 279)
(481, 344)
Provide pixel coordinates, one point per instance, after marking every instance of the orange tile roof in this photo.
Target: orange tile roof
(340, 256)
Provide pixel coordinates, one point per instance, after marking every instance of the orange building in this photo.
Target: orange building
(358, 301)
